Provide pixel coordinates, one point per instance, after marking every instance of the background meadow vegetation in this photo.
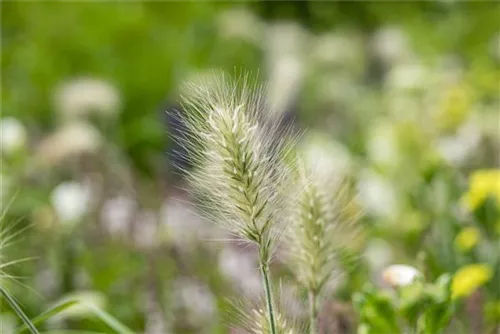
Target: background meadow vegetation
(405, 94)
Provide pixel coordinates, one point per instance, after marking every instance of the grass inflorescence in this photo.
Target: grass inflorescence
(322, 226)
(247, 178)
(238, 158)
(237, 150)
(8, 234)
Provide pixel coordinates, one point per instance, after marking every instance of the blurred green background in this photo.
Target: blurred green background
(407, 93)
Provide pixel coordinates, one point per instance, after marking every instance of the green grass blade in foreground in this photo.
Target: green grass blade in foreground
(19, 312)
(102, 315)
(71, 331)
(109, 320)
(50, 313)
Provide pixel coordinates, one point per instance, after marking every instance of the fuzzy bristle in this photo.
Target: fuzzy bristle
(322, 226)
(252, 319)
(261, 323)
(238, 151)
(8, 235)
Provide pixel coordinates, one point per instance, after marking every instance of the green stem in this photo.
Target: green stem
(15, 307)
(269, 298)
(313, 313)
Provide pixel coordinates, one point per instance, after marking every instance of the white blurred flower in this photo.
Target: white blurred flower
(377, 195)
(196, 299)
(284, 51)
(400, 275)
(382, 145)
(146, 235)
(339, 89)
(117, 213)
(324, 155)
(339, 49)
(241, 269)
(85, 96)
(458, 148)
(285, 39)
(407, 77)
(13, 135)
(390, 45)
(183, 227)
(284, 82)
(378, 253)
(70, 201)
(240, 23)
(73, 139)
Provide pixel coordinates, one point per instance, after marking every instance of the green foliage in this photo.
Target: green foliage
(419, 308)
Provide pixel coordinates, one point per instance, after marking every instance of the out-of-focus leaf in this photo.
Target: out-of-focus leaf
(102, 315)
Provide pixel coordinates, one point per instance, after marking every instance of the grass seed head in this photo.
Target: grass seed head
(323, 225)
(252, 318)
(237, 149)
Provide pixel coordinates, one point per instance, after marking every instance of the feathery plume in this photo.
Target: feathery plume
(8, 234)
(238, 151)
(254, 320)
(261, 323)
(323, 225)
(7, 237)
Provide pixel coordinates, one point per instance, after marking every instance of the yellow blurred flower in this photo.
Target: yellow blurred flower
(467, 239)
(482, 183)
(468, 278)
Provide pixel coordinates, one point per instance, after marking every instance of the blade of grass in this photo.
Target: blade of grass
(109, 320)
(17, 309)
(102, 315)
(71, 331)
(50, 313)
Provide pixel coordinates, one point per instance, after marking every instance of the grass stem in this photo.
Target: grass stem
(19, 312)
(313, 313)
(269, 297)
